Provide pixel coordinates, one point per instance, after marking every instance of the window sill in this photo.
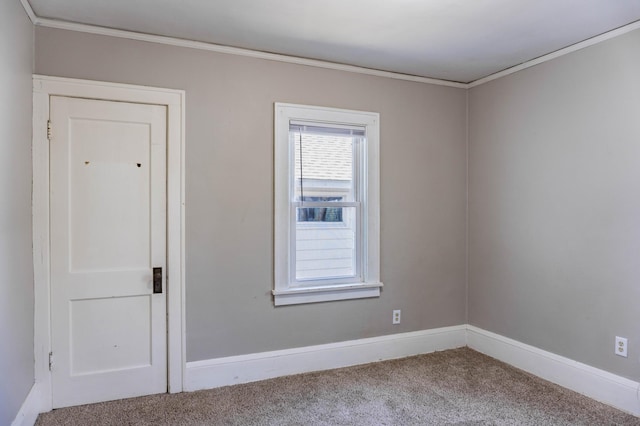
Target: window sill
(326, 293)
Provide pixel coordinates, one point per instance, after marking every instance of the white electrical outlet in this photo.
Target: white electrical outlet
(621, 346)
(396, 316)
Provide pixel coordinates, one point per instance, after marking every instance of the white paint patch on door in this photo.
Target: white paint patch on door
(108, 230)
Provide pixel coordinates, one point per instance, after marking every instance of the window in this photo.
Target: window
(327, 232)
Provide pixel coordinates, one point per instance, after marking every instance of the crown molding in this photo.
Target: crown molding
(172, 41)
(561, 52)
(30, 13)
(211, 47)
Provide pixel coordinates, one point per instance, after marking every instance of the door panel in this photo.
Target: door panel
(109, 189)
(108, 230)
(123, 343)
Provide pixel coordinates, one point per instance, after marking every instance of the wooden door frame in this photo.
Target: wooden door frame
(174, 100)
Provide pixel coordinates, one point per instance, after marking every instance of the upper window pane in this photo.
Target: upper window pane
(324, 162)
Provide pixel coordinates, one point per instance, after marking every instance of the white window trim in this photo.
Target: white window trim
(284, 293)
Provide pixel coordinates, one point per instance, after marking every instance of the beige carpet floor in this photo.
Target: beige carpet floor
(455, 387)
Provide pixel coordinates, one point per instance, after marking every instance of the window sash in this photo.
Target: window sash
(358, 135)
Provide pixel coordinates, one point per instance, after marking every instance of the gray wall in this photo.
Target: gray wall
(554, 205)
(16, 261)
(229, 190)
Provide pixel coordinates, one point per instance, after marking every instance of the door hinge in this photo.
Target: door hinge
(50, 360)
(49, 129)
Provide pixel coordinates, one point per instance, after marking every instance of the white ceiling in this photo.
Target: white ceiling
(455, 40)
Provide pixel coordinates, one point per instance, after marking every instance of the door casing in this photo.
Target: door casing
(174, 100)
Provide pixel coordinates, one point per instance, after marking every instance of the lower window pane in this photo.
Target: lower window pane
(326, 249)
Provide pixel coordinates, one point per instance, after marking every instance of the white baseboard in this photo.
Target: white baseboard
(597, 384)
(265, 365)
(30, 409)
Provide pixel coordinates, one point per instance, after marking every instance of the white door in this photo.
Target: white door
(108, 232)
